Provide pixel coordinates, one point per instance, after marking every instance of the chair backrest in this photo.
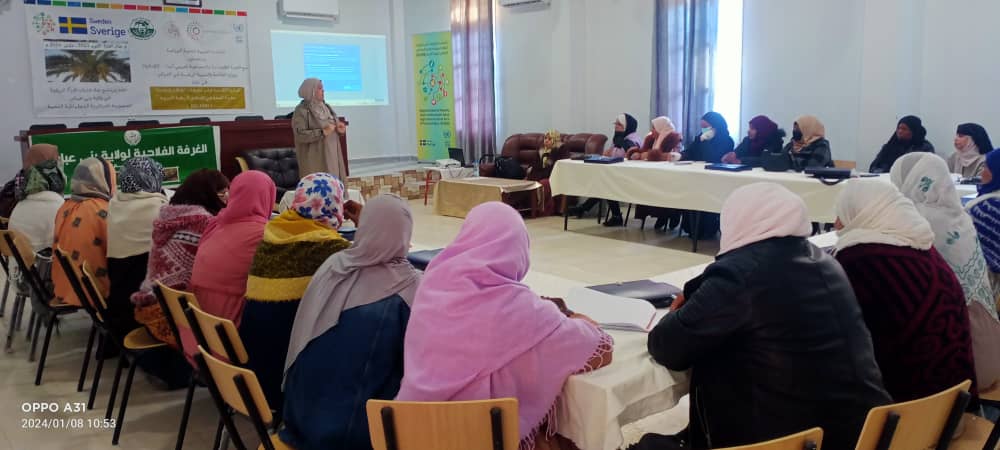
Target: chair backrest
(807, 440)
(220, 335)
(104, 123)
(473, 425)
(96, 299)
(48, 126)
(142, 122)
(280, 164)
(15, 244)
(173, 302)
(252, 117)
(844, 164)
(195, 120)
(76, 282)
(238, 388)
(927, 422)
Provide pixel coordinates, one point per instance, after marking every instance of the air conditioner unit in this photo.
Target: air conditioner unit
(532, 4)
(310, 9)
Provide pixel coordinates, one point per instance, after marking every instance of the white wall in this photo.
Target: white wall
(574, 66)
(376, 131)
(960, 69)
(802, 57)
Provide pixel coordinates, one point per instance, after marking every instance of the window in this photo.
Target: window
(728, 64)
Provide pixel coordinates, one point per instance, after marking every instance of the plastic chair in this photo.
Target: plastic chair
(16, 246)
(473, 425)
(929, 422)
(811, 439)
(237, 388)
(172, 303)
(136, 344)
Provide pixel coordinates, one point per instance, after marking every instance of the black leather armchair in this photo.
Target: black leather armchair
(279, 163)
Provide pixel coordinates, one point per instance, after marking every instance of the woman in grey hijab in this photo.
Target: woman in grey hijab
(347, 342)
(317, 133)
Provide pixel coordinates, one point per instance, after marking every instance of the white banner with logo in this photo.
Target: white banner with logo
(111, 59)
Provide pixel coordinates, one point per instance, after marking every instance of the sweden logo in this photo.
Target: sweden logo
(72, 25)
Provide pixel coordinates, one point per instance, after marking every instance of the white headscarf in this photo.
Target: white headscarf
(374, 268)
(760, 211)
(924, 179)
(663, 127)
(875, 212)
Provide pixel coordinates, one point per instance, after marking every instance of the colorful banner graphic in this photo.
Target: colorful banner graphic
(432, 70)
(181, 150)
(113, 59)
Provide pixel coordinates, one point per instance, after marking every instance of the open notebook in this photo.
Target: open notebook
(612, 312)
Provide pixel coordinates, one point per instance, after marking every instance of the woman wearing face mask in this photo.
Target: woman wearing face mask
(972, 143)
(910, 136)
(625, 138)
(809, 147)
(712, 143)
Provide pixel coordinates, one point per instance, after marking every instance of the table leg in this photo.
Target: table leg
(565, 208)
(534, 203)
(696, 231)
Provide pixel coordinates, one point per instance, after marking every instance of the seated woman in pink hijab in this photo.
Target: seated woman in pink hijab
(219, 278)
(476, 332)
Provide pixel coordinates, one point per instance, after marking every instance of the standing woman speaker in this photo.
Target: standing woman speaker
(317, 133)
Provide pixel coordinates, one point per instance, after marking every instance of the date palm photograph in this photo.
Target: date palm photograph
(88, 66)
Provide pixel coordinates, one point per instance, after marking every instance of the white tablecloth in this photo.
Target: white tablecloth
(689, 187)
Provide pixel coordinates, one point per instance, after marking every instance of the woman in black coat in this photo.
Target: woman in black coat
(772, 333)
(910, 136)
(712, 143)
(809, 147)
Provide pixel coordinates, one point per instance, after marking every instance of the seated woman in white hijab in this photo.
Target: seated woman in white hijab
(924, 178)
(359, 295)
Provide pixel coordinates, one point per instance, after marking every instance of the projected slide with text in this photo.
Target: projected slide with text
(352, 66)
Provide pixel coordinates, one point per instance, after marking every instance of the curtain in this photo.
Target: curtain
(472, 54)
(684, 40)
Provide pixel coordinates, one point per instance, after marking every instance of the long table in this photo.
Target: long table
(595, 406)
(682, 186)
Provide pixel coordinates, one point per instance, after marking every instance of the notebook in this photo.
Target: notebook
(612, 312)
(728, 167)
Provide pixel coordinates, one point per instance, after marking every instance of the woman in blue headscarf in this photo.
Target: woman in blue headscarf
(984, 211)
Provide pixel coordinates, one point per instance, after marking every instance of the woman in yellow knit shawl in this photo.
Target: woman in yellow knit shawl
(295, 244)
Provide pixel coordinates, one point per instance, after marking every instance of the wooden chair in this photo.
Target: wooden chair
(844, 164)
(929, 422)
(806, 440)
(473, 425)
(237, 388)
(220, 337)
(978, 434)
(16, 246)
(172, 303)
(134, 346)
(98, 329)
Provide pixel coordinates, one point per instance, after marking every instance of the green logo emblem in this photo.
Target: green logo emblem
(141, 28)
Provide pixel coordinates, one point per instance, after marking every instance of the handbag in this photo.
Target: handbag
(509, 168)
(776, 162)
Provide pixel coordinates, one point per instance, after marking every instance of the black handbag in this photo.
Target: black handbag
(776, 162)
(509, 168)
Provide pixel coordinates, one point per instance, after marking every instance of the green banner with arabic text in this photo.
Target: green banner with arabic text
(181, 150)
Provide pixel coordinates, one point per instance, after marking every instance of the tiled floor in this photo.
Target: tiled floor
(588, 254)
